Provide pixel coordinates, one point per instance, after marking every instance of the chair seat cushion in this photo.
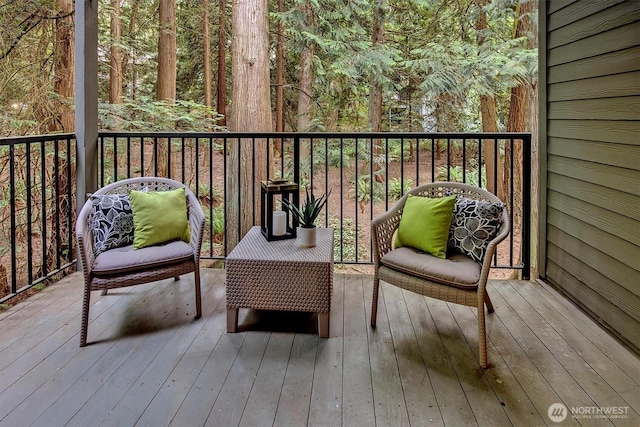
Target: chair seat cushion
(125, 259)
(458, 270)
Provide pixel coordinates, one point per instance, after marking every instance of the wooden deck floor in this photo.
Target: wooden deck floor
(150, 364)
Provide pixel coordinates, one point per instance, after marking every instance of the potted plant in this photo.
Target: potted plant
(306, 216)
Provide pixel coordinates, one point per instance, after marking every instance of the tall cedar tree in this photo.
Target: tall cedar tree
(166, 89)
(115, 71)
(489, 117)
(250, 112)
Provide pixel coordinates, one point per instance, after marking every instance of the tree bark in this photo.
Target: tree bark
(305, 82)
(305, 92)
(64, 83)
(305, 102)
(115, 71)
(206, 42)
(490, 150)
(250, 112)
(132, 37)
(166, 90)
(375, 91)
(221, 102)
(280, 76)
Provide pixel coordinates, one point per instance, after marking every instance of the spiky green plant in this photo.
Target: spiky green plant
(307, 213)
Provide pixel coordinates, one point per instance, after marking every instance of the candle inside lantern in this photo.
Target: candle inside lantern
(279, 223)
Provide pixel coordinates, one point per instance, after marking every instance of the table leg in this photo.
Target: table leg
(232, 320)
(323, 325)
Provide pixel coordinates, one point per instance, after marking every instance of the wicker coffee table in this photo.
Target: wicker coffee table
(279, 275)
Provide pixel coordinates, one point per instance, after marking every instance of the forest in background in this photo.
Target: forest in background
(360, 65)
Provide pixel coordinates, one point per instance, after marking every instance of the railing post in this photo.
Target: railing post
(12, 201)
(526, 208)
(86, 21)
(296, 159)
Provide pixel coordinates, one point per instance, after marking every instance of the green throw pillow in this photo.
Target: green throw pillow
(425, 224)
(158, 217)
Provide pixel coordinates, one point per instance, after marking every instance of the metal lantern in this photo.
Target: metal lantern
(278, 225)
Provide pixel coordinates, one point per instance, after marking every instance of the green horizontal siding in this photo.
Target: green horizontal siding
(591, 119)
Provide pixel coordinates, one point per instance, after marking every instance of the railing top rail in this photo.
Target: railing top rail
(14, 140)
(384, 135)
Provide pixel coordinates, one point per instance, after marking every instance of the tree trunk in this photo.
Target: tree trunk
(5, 287)
(166, 90)
(206, 42)
(115, 71)
(375, 91)
(250, 112)
(305, 101)
(280, 76)
(64, 84)
(305, 82)
(221, 103)
(59, 227)
(132, 37)
(305, 92)
(490, 150)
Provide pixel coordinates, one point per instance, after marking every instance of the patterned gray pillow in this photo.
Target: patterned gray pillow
(112, 222)
(475, 223)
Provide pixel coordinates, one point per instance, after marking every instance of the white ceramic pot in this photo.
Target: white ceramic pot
(307, 237)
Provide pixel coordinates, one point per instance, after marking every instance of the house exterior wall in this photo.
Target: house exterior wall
(590, 164)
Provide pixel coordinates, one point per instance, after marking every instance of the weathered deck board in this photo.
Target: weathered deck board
(150, 364)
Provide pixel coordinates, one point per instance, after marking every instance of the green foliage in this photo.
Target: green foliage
(398, 187)
(395, 190)
(205, 191)
(364, 192)
(454, 173)
(472, 177)
(430, 67)
(149, 115)
(215, 219)
(345, 237)
(307, 213)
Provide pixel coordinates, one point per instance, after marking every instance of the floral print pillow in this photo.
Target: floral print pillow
(475, 223)
(112, 222)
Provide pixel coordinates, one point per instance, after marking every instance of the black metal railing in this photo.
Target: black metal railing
(37, 210)
(365, 172)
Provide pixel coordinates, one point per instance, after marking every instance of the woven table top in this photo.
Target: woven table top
(254, 246)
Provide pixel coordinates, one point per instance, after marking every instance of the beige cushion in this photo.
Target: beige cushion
(126, 260)
(457, 270)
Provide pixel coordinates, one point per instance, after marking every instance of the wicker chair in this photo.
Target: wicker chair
(156, 263)
(440, 286)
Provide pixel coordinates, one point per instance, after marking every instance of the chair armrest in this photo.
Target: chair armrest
(196, 224)
(84, 240)
(383, 228)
